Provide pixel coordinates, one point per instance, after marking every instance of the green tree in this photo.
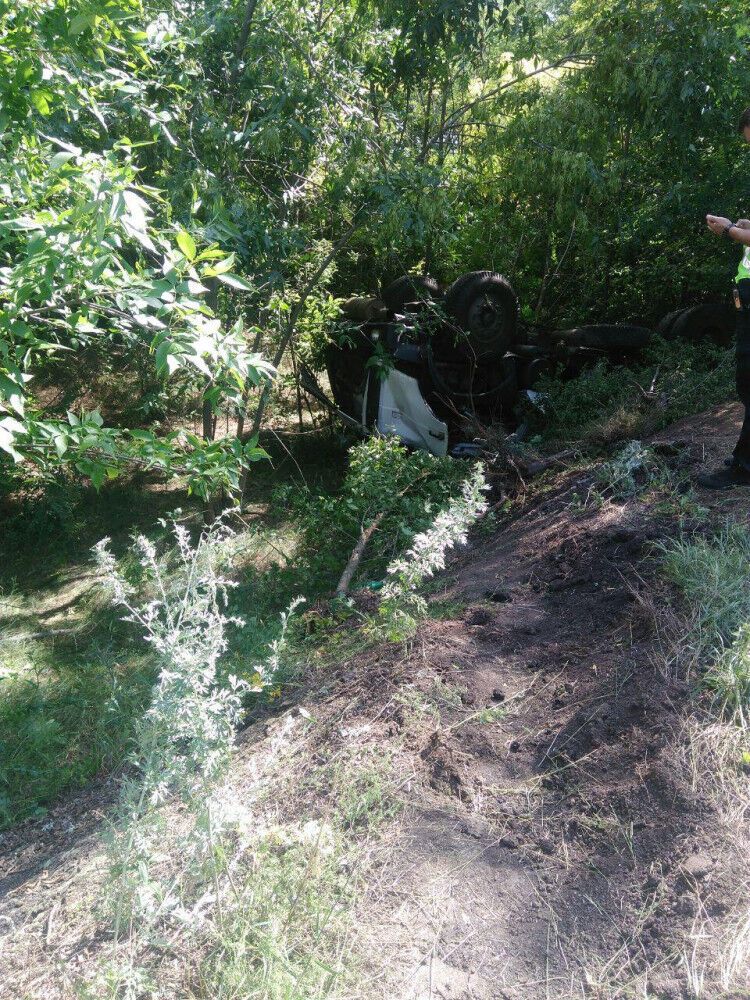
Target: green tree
(91, 257)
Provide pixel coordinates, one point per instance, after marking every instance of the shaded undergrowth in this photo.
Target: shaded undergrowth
(610, 402)
(74, 679)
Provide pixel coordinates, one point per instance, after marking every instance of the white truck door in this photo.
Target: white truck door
(402, 410)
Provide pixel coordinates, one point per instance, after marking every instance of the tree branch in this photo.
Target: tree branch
(453, 118)
(294, 316)
(354, 559)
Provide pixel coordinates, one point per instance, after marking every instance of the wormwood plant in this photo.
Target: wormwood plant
(166, 866)
(624, 474)
(636, 470)
(401, 603)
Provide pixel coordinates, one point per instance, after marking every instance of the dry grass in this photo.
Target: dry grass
(297, 864)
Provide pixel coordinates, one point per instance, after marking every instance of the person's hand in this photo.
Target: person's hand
(743, 223)
(717, 224)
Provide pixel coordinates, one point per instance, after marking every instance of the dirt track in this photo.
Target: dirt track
(556, 840)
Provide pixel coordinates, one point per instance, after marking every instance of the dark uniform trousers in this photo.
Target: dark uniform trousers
(741, 454)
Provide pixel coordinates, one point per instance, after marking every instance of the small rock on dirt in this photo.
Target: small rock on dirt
(697, 866)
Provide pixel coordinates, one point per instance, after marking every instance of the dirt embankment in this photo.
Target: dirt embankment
(567, 840)
(561, 835)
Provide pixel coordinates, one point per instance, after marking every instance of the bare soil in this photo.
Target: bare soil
(558, 838)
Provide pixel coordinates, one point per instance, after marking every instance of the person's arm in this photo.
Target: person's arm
(740, 232)
(737, 231)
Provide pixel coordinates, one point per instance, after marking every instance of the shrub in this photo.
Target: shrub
(412, 487)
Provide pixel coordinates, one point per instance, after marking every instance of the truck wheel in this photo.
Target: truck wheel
(531, 371)
(666, 324)
(410, 288)
(485, 307)
(711, 321)
(606, 337)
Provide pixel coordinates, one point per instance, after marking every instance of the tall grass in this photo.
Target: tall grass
(713, 575)
(604, 403)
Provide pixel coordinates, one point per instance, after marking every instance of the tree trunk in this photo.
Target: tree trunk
(289, 333)
(242, 44)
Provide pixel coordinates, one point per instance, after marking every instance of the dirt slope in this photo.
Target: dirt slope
(568, 848)
(560, 836)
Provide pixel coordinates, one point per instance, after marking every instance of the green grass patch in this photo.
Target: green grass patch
(62, 731)
(605, 402)
(712, 573)
(69, 696)
(287, 933)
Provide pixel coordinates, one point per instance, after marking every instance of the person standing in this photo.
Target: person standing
(736, 471)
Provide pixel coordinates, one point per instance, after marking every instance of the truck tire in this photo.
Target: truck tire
(711, 321)
(664, 329)
(606, 337)
(532, 370)
(410, 288)
(485, 308)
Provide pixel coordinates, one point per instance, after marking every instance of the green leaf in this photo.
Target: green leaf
(75, 150)
(98, 475)
(60, 159)
(186, 243)
(200, 364)
(235, 281)
(12, 393)
(80, 23)
(6, 445)
(161, 354)
(20, 224)
(220, 267)
(40, 102)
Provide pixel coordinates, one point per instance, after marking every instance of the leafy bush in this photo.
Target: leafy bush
(411, 487)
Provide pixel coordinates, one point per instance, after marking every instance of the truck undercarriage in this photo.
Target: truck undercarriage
(419, 363)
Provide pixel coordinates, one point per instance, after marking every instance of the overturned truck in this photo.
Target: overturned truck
(419, 361)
